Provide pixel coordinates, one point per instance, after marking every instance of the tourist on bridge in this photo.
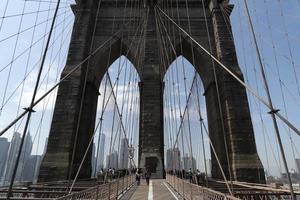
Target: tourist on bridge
(138, 176)
(100, 176)
(147, 176)
(190, 175)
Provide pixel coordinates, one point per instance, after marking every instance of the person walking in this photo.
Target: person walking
(147, 176)
(138, 177)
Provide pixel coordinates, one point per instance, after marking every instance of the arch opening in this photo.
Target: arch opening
(117, 120)
(183, 115)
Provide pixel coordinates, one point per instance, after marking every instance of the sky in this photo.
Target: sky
(277, 27)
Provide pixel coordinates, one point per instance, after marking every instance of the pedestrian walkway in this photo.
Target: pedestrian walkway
(157, 190)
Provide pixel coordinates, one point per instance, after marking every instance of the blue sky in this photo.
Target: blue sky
(266, 16)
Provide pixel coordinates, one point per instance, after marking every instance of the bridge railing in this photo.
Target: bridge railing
(109, 190)
(191, 191)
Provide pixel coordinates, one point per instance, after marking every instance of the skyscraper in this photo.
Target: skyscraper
(112, 160)
(297, 161)
(13, 153)
(189, 163)
(31, 168)
(123, 155)
(4, 146)
(100, 160)
(93, 159)
(173, 159)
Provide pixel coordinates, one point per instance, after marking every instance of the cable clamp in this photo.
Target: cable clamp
(29, 109)
(274, 111)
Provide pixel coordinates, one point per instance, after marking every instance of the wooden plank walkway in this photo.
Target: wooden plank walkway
(157, 190)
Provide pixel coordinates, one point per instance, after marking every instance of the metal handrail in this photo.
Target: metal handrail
(191, 191)
(109, 190)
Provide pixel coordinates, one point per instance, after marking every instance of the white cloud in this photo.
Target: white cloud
(48, 79)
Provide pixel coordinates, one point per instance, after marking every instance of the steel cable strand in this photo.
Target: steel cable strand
(236, 77)
(278, 74)
(174, 88)
(287, 57)
(27, 62)
(137, 107)
(29, 55)
(99, 123)
(166, 99)
(167, 61)
(84, 156)
(29, 28)
(173, 110)
(46, 102)
(23, 156)
(277, 67)
(5, 10)
(128, 117)
(43, 97)
(273, 111)
(177, 78)
(119, 71)
(116, 94)
(43, 107)
(121, 116)
(229, 164)
(82, 97)
(41, 57)
(278, 162)
(181, 117)
(247, 80)
(180, 29)
(201, 132)
(100, 129)
(119, 113)
(76, 67)
(30, 13)
(9, 193)
(291, 56)
(114, 111)
(27, 75)
(28, 48)
(184, 74)
(13, 55)
(83, 93)
(115, 83)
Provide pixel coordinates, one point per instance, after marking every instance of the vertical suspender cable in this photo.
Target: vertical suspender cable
(273, 111)
(201, 131)
(70, 167)
(229, 165)
(30, 110)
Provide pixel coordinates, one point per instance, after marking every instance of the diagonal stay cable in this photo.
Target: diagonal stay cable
(32, 45)
(100, 122)
(29, 73)
(30, 110)
(28, 28)
(30, 13)
(247, 87)
(76, 67)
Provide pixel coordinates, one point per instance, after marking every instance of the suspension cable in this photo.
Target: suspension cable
(9, 193)
(270, 102)
(248, 88)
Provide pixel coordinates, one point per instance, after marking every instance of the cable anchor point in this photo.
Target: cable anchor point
(274, 111)
(29, 109)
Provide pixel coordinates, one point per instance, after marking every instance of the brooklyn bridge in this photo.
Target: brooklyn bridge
(149, 99)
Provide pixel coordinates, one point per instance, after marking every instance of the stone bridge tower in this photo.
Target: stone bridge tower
(243, 160)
